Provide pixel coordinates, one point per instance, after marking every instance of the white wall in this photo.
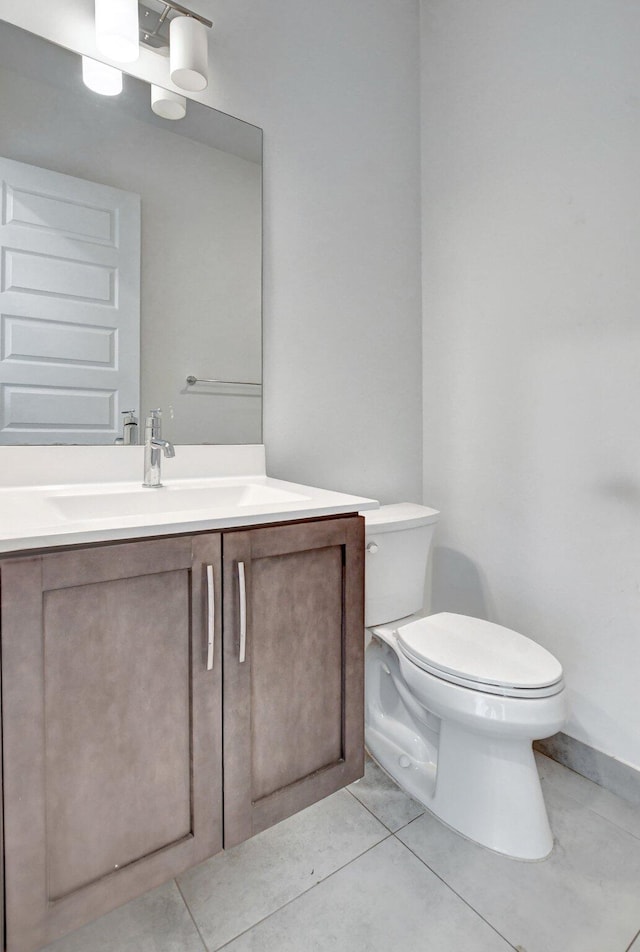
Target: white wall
(335, 88)
(531, 244)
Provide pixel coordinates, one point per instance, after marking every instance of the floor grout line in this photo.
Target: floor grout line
(303, 893)
(549, 780)
(602, 816)
(376, 817)
(456, 893)
(607, 819)
(633, 803)
(390, 835)
(191, 916)
(616, 824)
(632, 943)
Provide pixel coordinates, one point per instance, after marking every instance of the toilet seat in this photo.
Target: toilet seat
(480, 656)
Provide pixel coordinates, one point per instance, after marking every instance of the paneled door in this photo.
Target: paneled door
(293, 669)
(69, 307)
(112, 727)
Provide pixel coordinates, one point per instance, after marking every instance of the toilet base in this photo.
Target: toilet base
(515, 825)
(485, 787)
(489, 790)
(417, 778)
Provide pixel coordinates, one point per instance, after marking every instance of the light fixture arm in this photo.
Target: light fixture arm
(170, 5)
(164, 14)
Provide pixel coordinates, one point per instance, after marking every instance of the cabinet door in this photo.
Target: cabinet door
(293, 680)
(112, 728)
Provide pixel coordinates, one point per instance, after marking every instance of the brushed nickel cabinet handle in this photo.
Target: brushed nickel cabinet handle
(211, 616)
(242, 590)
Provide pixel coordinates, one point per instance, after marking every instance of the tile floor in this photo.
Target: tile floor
(366, 870)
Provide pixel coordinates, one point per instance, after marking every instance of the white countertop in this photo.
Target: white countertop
(72, 495)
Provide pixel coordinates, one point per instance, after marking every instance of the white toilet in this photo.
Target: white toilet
(453, 703)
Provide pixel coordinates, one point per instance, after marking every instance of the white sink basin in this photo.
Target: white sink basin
(77, 495)
(176, 497)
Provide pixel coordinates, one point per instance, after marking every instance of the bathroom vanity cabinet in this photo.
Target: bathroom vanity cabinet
(156, 709)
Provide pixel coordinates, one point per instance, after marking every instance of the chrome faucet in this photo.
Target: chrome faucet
(129, 429)
(153, 445)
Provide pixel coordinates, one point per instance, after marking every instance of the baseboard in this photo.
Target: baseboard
(616, 776)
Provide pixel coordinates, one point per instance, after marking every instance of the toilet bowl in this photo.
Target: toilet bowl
(452, 703)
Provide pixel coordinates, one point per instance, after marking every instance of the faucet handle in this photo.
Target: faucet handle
(154, 420)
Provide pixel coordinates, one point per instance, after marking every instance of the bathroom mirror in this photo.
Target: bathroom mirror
(87, 181)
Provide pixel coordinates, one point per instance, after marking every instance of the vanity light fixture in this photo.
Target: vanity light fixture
(163, 26)
(188, 54)
(117, 29)
(168, 27)
(103, 79)
(168, 104)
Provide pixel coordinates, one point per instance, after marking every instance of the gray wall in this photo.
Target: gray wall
(531, 208)
(335, 87)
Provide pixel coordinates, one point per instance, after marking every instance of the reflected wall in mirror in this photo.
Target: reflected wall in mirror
(88, 183)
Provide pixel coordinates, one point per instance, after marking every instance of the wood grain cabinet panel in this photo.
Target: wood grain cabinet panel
(112, 729)
(113, 707)
(293, 724)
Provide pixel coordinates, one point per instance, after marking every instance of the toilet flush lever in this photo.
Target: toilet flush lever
(373, 548)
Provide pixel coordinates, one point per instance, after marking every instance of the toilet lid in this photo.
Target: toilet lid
(479, 654)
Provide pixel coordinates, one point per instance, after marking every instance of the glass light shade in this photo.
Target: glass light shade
(117, 29)
(167, 104)
(103, 79)
(188, 62)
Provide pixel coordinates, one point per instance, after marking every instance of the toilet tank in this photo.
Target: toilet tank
(398, 540)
